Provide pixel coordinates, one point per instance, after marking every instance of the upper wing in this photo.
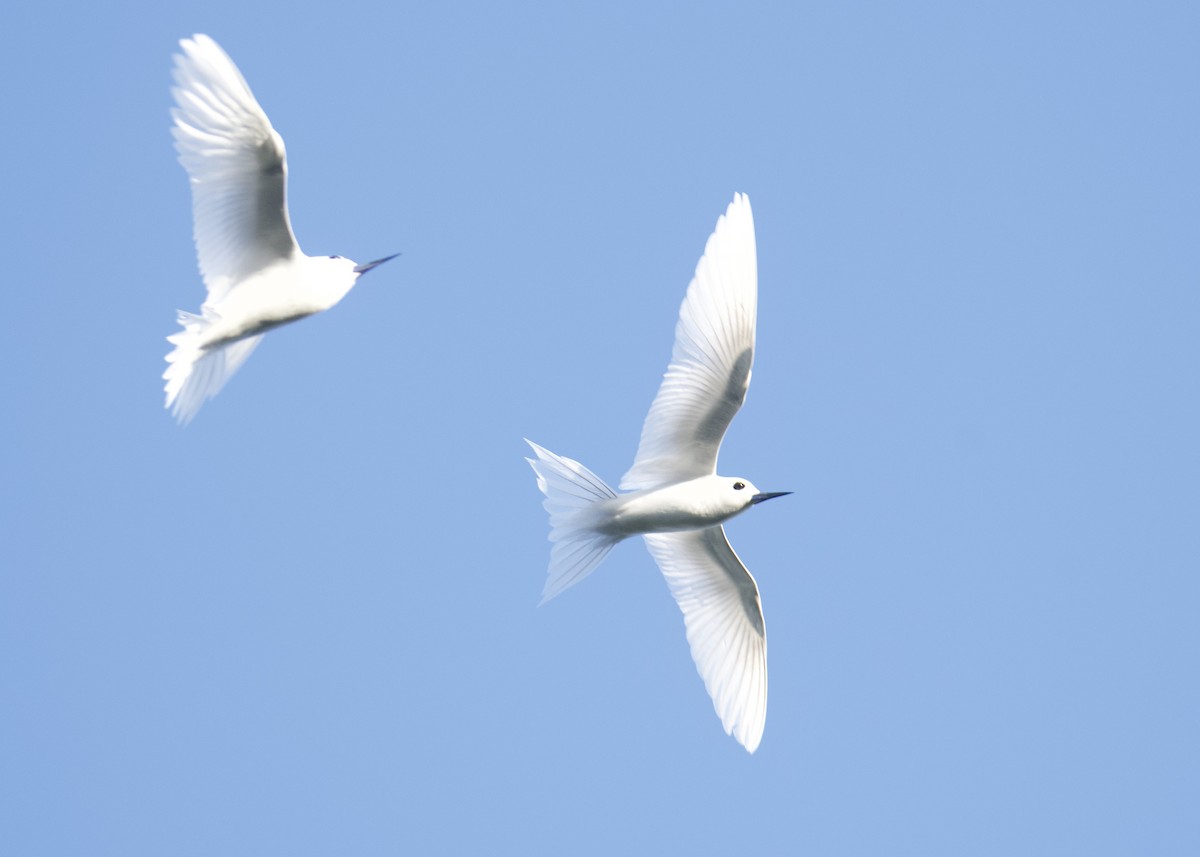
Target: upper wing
(237, 166)
(724, 621)
(709, 374)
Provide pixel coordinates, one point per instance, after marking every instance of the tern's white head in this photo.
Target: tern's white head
(334, 276)
(741, 494)
(717, 498)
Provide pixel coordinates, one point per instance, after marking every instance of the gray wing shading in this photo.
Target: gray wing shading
(706, 381)
(237, 165)
(724, 621)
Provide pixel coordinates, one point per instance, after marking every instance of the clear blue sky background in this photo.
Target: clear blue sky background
(306, 624)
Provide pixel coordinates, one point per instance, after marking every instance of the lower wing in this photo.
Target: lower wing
(724, 621)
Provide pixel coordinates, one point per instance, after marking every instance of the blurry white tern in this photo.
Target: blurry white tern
(256, 275)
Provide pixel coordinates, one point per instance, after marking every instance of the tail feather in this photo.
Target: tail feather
(196, 374)
(571, 491)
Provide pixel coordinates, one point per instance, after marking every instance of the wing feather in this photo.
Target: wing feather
(709, 373)
(725, 629)
(237, 166)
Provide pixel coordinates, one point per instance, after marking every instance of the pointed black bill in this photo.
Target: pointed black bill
(362, 269)
(767, 495)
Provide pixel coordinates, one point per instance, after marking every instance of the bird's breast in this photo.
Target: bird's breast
(274, 297)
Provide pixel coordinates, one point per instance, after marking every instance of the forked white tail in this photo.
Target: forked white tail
(571, 491)
(195, 374)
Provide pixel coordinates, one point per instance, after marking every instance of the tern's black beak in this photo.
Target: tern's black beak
(767, 495)
(362, 269)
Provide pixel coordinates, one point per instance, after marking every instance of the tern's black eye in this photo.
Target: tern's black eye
(335, 257)
(738, 486)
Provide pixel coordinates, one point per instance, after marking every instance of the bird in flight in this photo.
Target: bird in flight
(256, 276)
(675, 500)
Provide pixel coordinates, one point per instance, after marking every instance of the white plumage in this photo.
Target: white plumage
(256, 276)
(676, 500)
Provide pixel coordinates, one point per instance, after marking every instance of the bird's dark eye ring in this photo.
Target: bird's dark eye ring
(738, 486)
(335, 257)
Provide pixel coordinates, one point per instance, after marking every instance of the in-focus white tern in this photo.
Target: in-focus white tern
(676, 500)
(257, 277)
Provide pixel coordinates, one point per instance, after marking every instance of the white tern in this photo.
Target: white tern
(257, 277)
(676, 501)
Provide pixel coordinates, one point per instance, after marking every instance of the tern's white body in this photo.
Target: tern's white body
(286, 291)
(674, 498)
(256, 275)
(692, 505)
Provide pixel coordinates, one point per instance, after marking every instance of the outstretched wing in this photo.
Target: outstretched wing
(709, 373)
(724, 621)
(237, 166)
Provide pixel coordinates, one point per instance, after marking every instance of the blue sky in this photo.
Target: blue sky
(306, 623)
